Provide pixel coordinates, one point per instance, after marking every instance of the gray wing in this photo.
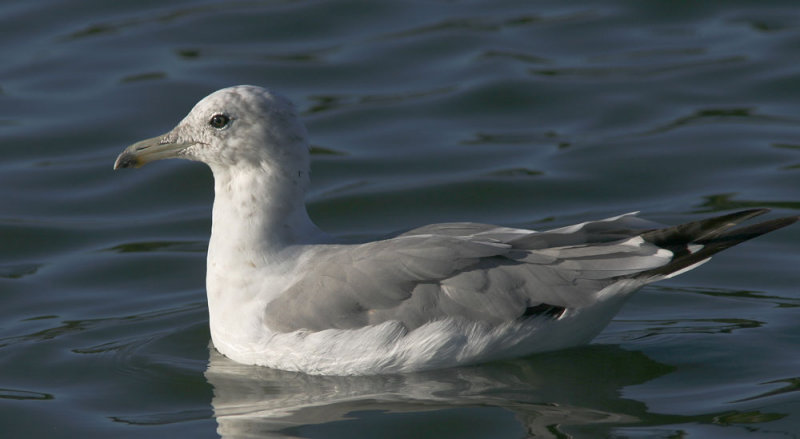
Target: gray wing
(476, 271)
(494, 274)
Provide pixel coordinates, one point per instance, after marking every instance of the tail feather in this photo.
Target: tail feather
(695, 242)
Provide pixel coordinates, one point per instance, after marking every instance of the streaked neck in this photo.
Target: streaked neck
(258, 213)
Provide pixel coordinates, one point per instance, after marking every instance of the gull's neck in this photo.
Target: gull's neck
(259, 224)
(257, 214)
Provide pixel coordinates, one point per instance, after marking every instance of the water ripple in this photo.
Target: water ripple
(18, 270)
(790, 385)
(324, 103)
(24, 395)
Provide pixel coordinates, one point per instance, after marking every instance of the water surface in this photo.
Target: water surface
(534, 114)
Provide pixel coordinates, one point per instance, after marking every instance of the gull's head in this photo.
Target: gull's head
(237, 127)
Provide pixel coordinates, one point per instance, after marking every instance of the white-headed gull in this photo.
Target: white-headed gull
(283, 294)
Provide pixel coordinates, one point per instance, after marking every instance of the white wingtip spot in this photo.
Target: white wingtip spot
(664, 253)
(694, 248)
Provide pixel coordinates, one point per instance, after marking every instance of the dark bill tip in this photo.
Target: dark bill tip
(126, 160)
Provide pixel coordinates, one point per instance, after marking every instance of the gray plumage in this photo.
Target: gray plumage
(492, 274)
(282, 294)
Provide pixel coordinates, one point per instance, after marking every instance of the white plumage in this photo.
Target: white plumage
(283, 294)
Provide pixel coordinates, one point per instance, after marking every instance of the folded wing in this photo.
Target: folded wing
(494, 274)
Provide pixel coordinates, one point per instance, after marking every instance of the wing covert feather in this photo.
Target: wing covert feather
(468, 270)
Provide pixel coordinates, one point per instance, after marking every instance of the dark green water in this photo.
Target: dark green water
(522, 113)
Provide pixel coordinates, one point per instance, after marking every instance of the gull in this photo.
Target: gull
(284, 294)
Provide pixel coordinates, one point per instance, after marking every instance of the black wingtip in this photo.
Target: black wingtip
(749, 232)
(712, 235)
(704, 229)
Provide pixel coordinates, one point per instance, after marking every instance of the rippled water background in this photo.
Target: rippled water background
(522, 113)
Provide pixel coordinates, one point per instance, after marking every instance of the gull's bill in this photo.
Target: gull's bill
(150, 150)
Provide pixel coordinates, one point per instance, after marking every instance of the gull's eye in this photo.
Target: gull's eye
(219, 121)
